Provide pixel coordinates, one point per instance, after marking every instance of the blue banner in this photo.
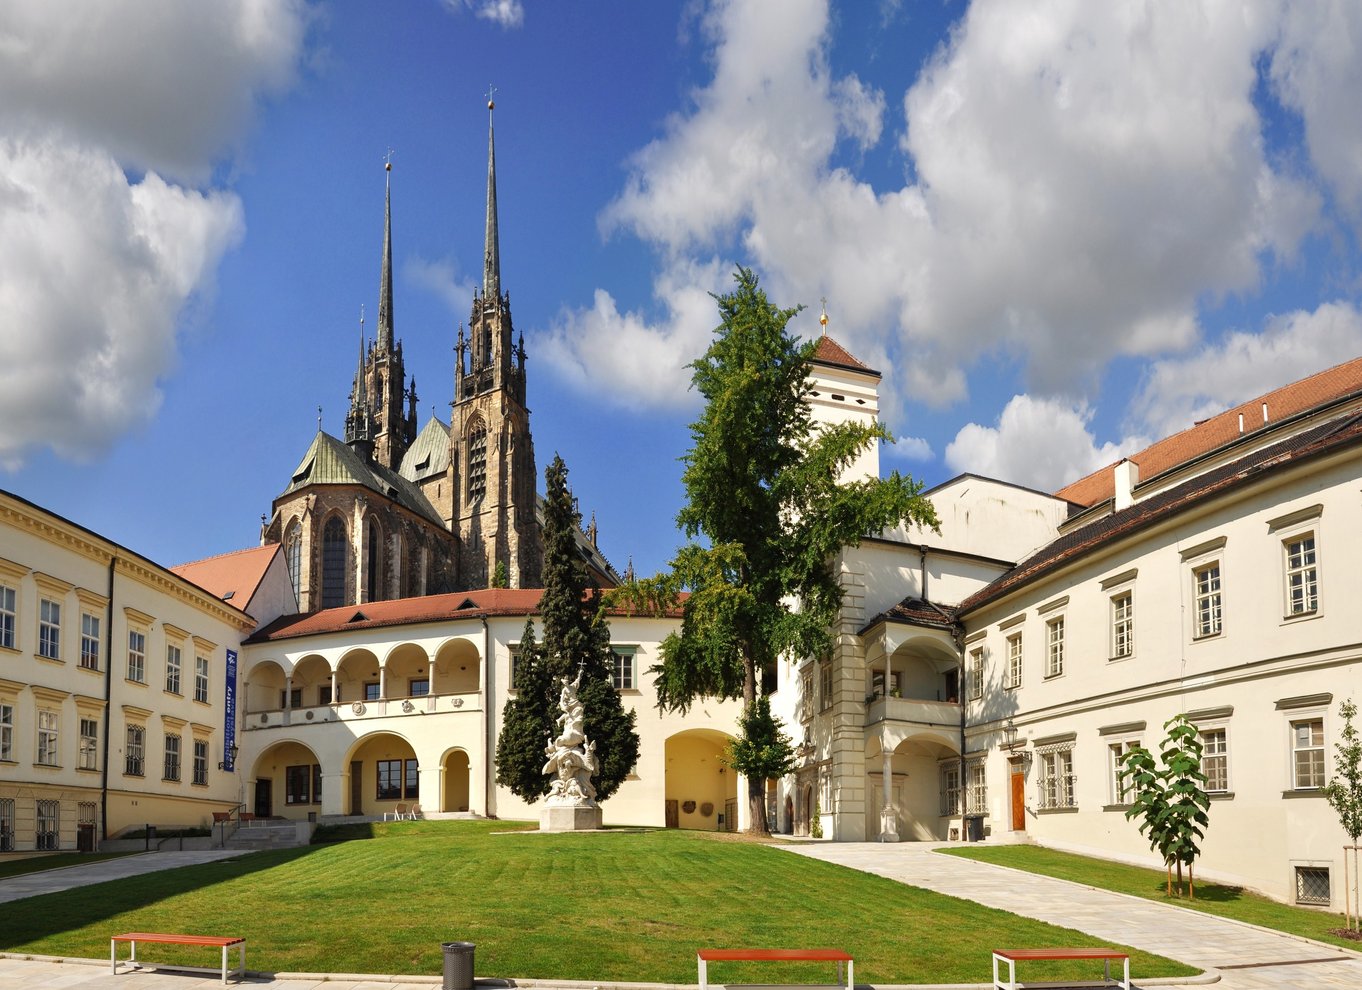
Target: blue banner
(229, 725)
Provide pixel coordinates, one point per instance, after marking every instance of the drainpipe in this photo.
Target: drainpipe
(922, 564)
(487, 745)
(958, 635)
(108, 701)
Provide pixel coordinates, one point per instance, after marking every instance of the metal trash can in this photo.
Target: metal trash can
(458, 965)
(974, 828)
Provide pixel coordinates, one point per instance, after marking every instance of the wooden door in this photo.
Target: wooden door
(356, 787)
(263, 804)
(1017, 775)
(673, 817)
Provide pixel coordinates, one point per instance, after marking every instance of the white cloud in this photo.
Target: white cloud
(1038, 442)
(96, 273)
(910, 449)
(443, 279)
(506, 13)
(98, 266)
(1179, 391)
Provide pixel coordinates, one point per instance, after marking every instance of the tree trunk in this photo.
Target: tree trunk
(1179, 878)
(1170, 878)
(1191, 884)
(756, 789)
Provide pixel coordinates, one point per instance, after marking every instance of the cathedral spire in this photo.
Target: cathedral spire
(491, 264)
(385, 282)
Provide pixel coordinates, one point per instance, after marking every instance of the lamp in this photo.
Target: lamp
(229, 759)
(1010, 731)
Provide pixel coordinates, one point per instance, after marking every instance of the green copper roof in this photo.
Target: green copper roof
(429, 453)
(330, 462)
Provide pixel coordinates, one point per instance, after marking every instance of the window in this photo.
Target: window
(371, 690)
(201, 679)
(6, 733)
(1207, 600)
(1307, 750)
(806, 695)
(1014, 661)
(1120, 788)
(87, 813)
(89, 744)
(298, 784)
(1312, 885)
(172, 767)
(293, 554)
(173, 669)
(1055, 780)
(7, 610)
(201, 761)
(324, 694)
(1215, 759)
(6, 825)
(133, 751)
(333, 563)
(1122, 625)
(1054, 652)
(623, 674)
(1302, 575)
(49, 629)
(397, 779)
(291, 698)
(89, 641)
(825, 685)
(418, 687)
(976, 674)
(976, 797)
(137, 656)
(877, 683)
(372, 561)
(950, 788)
(48, 723)
(477, 463)
(49, 824)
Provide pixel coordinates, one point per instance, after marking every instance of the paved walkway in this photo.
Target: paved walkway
(1246, 957)
(52, 881)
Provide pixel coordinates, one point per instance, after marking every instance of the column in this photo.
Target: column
(889, 827)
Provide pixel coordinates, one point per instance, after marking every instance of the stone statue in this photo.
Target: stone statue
(571, 804)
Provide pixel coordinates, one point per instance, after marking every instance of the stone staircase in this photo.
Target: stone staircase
(266, 835)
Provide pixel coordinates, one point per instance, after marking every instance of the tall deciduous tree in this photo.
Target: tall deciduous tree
(576, 638)
(1344, 793)
(765, 515)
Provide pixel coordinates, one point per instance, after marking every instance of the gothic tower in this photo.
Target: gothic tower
(491, 452)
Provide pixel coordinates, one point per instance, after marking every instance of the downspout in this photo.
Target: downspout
(958, 634)
(108, 702)
(922, 564)
(487, 745)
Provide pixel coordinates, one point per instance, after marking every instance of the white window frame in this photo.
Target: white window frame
(201, 762)
(9, 610)
(1306, 568)
(1222, 730)
(825, 685)
(1304, 720)
(975, 673)
(173, 753)
(1014, 660)
(1208, 599)
(1123, 624)
(201, 679)
(1054, 646)
(1119, 793)
(87, 756)
(174, 668)
(49, 628)
(976, 787)
(1056, 782)
(137, 656)
(623, 672)
(48, 753)
(806, 705)
(6, 732)
(950, 787)
(47, 825)
(135, 751)
(89, 641)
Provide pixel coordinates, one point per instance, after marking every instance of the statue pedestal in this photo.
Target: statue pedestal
(570, 817)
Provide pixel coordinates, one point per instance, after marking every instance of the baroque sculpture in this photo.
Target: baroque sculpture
(571, 804)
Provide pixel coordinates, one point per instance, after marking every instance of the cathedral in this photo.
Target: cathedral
(391, 511)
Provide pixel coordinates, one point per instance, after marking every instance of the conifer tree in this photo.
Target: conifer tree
(762, 494)
(576, 638)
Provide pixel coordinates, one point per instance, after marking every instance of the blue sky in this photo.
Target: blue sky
(1060, 229)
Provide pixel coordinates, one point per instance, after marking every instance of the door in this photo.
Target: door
(673, 818)
(356, 787)
(1017, 777)
(262, 798)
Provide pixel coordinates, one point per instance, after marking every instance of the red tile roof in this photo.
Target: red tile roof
(1317, 390)
(233, 577)
(828, 351)
(411, 611)
(915, 612)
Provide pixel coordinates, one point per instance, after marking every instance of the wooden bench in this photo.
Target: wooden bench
(215, 941)
(705, 956)
(1014, 956)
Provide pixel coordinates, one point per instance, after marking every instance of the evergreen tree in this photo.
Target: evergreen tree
(576, 638)
(762, 495)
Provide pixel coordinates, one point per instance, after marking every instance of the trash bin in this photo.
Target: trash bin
(974, 828)
(458, 965)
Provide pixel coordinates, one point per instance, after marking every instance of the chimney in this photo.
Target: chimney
(1126, 477)
(1264, 412)
(1241, 422)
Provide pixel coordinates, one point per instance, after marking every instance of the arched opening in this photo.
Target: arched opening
(457, 668)
(311, 682)
(264, 687)
(383, 774)
(287, 782)
(334, 557)
(373, 561)
(699, 791)
(477, 461)
(406, 672)
(357, 677)
(920, 670)
(917, 786)
(293, 556)
(456, 769)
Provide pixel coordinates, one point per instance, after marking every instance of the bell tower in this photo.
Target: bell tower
(491, 450)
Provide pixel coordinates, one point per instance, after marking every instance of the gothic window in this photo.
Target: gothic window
(293, 554)
(333, 563)
(477, 463)
(373, 561)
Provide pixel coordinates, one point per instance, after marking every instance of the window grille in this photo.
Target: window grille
(1312, 885)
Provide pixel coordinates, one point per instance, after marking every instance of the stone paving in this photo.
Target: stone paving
(1246, 957)
(51, 881)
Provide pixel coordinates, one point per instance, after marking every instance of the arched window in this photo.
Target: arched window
(293, 554)
(477, 462)
(333, 563)
(373, 552)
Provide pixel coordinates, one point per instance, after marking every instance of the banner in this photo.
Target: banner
(229, 726)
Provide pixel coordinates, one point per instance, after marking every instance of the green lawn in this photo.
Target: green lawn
(37, 864)
(606, 906)
(1212, 898)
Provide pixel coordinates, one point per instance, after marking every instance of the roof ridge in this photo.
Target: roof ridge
(225, 553)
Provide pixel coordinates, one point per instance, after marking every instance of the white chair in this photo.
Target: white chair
(397, 813)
